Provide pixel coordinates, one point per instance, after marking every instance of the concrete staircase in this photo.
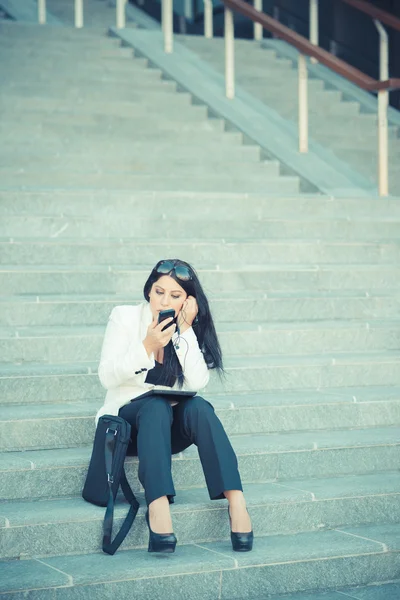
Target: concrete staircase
(335, 121)
(105, 168)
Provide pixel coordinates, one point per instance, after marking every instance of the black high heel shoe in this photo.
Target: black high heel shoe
(241, 542)
(160, 542)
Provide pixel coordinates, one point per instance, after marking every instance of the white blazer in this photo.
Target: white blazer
(124, 362)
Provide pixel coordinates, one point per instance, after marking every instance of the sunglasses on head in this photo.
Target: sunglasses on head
(181, 271)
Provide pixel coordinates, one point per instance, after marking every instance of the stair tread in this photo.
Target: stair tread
(199, 558)
(58, 510)
(137, 268)
(66, 331)
(114, 242)
(244, 444)
(227, 401)
(125, 298)
(231, 362)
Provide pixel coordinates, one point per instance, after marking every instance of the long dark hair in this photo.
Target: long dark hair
(203, 325)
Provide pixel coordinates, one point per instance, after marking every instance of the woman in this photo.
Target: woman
(139, 354)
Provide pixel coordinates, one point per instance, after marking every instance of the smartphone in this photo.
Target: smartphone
(166, 314)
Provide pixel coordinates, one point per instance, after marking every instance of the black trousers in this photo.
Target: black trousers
(159, 430)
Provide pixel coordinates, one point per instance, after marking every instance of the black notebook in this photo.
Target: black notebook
(178, 395)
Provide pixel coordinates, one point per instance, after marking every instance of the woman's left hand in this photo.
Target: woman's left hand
(188, 313)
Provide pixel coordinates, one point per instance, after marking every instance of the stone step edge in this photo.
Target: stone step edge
(310, 442)
(119, 242)
(144, 269)
(217, 570)
(226, 403)
(271, 295)
(60, 509)
(250, 400)
(34, 332)
(234, 362)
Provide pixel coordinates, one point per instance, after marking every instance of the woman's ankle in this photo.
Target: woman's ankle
(160, 516)
(235, 498)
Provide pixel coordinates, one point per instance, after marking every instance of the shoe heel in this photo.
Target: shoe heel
(159, 542)
(241, 542)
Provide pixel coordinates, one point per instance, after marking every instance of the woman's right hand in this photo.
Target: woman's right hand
(156, 338)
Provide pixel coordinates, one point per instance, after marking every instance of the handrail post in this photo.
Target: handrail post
(42, 12)
(120, 16)
(314, 25)
(383, 103)
(303, 104)
(78, 14)
(258, 30)
(167, 25)
(208, 19)
(229, 32)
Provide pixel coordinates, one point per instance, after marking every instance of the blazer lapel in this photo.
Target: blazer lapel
(146, 319)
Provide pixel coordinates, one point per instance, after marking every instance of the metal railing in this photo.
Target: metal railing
(208, 19)
(314, 24)
(379, 16)
(308, 48)
(78, 13)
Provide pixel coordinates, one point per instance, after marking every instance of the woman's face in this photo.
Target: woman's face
(166, 293)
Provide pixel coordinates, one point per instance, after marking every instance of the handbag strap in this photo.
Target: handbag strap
(110, 547)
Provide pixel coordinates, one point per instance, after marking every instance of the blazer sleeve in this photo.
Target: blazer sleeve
(191, 358)
(122, 358)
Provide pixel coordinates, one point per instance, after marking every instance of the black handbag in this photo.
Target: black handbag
(106, 473)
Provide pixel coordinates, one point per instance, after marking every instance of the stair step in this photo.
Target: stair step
(112, 69)
(143, 168)
(182, 132)
(125, 251)
(127, 92)
(56, 149)
(279, 457)
(75, 382)
(182, 227)
(58, 309)
(288, 185)
(278, 564)
(53, 345)
(143, 164)
(194, 114)
(374, 591)
(121, 279)
(153, 98)
(221, 140)
(135, 85)
(15, 33)
(38, 53)
(39, 528)
(68, 425)
(178, 104)
(296, 207)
